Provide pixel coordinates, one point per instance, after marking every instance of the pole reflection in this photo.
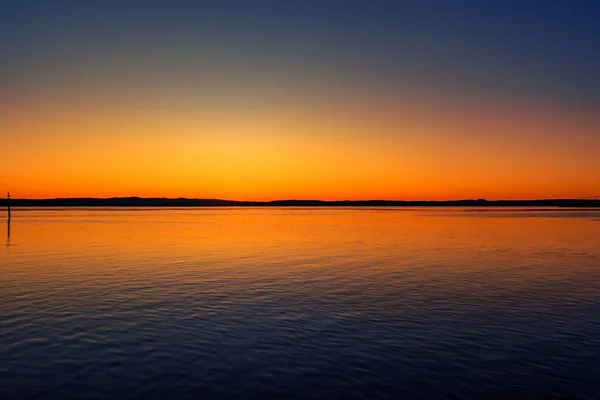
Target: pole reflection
(8, 234)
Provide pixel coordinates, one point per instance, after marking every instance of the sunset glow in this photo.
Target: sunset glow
(138, 106)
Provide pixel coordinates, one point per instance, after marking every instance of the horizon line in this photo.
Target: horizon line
(480, 200)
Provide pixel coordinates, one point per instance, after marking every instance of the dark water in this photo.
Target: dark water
(300, 303)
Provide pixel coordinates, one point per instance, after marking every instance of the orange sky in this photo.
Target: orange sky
(335, 149)
(397, 100)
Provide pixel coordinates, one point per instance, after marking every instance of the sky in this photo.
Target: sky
(329, 99)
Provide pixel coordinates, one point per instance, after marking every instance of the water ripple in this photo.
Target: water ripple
(344, 304)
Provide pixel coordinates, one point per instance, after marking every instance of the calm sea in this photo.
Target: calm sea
(300, 303)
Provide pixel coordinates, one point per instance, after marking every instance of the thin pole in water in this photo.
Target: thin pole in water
(8, 205)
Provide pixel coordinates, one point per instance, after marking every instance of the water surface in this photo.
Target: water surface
(300, 303)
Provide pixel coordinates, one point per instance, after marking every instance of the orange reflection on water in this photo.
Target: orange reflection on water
(260, 239)
(162, 259)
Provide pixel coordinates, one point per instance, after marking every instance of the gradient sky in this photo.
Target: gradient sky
(260, 100)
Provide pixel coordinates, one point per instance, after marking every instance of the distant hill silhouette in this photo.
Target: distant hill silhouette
(183, 202)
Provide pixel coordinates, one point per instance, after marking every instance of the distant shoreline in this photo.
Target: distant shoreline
(184, 202)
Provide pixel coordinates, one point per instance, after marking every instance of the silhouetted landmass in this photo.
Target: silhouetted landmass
(183, 202)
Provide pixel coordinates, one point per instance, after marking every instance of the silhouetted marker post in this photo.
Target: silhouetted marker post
(8, 204)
